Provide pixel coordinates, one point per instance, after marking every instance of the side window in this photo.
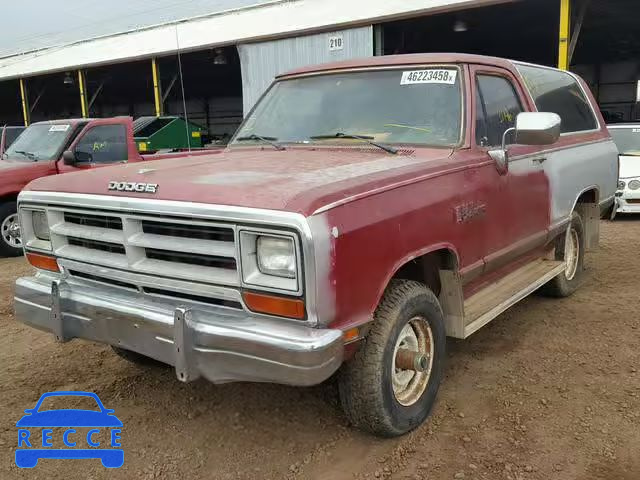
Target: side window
(558, 92)
(103, 144)
(497, 106)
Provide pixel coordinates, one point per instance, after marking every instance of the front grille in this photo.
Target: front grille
(173, 248)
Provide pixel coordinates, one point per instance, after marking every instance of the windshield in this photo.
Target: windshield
(39, 142)
(627, 140)
(11, 133)
(422, 106)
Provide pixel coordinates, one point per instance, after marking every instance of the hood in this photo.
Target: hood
(15, 174)
(299, 179)
(629, 166)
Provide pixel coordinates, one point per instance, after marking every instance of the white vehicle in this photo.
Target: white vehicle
(627, 138)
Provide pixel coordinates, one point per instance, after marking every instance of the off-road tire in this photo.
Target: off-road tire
(137, 358)
(560, 286)
(6, 250)
(364, 382)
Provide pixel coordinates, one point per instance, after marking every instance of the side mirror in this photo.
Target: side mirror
(68, 157)
(537, 128)
(532, 128)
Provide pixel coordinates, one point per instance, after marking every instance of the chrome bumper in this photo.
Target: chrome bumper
(220, 344)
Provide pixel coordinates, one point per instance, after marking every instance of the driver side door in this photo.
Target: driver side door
(101, 143)
(523, 219)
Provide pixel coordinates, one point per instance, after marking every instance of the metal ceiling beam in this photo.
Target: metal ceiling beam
(578, 27)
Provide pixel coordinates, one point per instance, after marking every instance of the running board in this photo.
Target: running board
(491, 301)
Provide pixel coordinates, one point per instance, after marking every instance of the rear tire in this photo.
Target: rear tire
(568, 281)
(10, 241)
(137, 358)
(378, 397)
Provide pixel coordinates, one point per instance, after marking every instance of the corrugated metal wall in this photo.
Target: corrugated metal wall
(615, 87)
(261, 62)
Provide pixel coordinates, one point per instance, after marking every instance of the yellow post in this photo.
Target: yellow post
(83, 94)
(25, 101)
(157, 94)
(565, 33)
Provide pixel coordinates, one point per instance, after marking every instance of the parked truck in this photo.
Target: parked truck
(60, 146)
(8, 135)
(364, 211)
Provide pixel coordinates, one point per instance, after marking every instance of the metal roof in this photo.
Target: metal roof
(251, 22)
(70, 21)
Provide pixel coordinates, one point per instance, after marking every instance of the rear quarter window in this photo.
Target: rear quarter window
(558, 92)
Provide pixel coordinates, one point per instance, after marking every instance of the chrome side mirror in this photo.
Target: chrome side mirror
(537, 128)
(532, 128)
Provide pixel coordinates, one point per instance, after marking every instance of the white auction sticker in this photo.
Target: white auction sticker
(429, 76)
(59, 128)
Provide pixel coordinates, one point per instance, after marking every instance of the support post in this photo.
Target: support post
(564, 32)
(378, 40)
(84, 106)
(24, 96)
(157, 90)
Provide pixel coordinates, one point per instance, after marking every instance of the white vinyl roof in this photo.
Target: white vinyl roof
(271, 19)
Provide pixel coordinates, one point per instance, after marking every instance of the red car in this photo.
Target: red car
(59, 146)
(364, 211)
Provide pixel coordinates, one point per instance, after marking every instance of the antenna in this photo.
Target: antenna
(184, 100)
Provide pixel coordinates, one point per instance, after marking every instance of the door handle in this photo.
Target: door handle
(540, 160)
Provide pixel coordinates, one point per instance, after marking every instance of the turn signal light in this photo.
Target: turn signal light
(280, 306)
(44, 262)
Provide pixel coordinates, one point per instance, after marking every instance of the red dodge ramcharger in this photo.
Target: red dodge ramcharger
(364, 211)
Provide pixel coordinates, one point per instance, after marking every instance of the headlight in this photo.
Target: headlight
(621, 185)
(271, 260)
(40, 225)
(634, 184)
(276, 256)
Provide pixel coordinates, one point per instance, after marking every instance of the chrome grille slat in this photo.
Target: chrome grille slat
(187, 245)
(95, 257)
(187, 272)
(87, 232)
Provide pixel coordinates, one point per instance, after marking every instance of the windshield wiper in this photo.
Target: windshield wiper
(269, 140)
(365, 138)
(29, 155)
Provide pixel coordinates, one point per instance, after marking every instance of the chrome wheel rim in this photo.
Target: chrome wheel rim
(408, 385)
(571, 254)
(11, 231)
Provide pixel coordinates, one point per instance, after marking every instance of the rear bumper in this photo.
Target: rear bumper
(217, 343)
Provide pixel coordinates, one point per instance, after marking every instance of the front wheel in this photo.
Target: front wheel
(390, 386)
(11, 241)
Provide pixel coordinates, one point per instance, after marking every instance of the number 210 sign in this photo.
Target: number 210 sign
(336, 42)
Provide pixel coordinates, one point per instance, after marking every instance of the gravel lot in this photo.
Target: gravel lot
(550, 390)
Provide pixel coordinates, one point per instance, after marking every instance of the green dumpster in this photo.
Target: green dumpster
(162, 133)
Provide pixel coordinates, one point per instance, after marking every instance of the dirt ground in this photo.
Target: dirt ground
(550, 390)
